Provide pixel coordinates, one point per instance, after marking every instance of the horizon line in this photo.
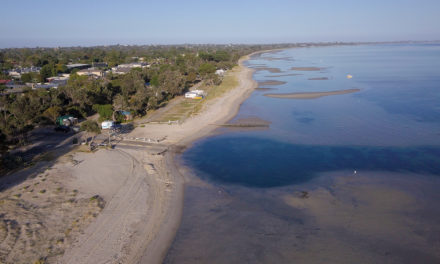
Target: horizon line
(225, 44)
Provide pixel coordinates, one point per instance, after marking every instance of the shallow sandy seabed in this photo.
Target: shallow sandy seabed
(370, 217)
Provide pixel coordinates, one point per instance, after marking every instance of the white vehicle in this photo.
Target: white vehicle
(190, 95)
(107, 124)
(195, 94)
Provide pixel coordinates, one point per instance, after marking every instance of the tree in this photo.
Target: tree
(191, 77)
(206, 68)
(131, 83)
(46, 72)
(90, 126)
(26, 77)
(105, 111)
(52, 113)
(221, 55)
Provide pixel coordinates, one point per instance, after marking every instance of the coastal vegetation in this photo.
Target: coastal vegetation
(171, 71)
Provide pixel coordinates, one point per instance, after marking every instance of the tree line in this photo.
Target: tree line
(173, 69)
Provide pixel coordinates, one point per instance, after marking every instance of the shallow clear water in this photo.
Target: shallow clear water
(387, 125)
(290, 193)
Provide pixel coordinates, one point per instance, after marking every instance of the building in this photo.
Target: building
(91, 72)
(78, 66)
(125, 68)
(17, 72)
(99, 65)
(60, 77)
(4, 82)
(51, 85)
(120, 70)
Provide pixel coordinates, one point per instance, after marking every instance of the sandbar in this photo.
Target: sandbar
(307, 69)
(311, 95)
(318, 79)
(271, 82)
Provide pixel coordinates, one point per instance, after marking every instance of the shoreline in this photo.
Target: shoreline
(220, 110)
(145, 197)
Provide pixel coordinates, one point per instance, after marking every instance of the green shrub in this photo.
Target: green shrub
(105, 111)
(90, 126)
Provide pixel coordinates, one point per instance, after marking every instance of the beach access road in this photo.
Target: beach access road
(135, 207)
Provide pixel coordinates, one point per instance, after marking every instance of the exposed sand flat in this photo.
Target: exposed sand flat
(271, 70)
(271, 82)
(318, 79)
(307, 69)
(311, 95)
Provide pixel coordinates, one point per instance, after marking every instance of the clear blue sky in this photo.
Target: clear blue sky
(30, 23)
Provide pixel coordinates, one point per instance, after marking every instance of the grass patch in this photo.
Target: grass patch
(189, 107)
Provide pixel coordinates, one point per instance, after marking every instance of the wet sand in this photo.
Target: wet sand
(310, 95)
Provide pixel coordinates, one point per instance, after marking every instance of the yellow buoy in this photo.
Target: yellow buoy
(349, 76)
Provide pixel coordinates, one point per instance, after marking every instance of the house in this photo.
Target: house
(60, 77)
(78, 66)
(99, 65)
(17, 72)
(91, 72)
(125, 68)
(4, 82)
(120, 70)
(50, 85)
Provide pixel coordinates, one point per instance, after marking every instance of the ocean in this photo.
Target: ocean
(347, 169)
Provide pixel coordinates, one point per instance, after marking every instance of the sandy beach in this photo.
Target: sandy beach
(144, 208)
(120, 205)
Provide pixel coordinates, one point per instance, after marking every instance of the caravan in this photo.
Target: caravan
(107, 124)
